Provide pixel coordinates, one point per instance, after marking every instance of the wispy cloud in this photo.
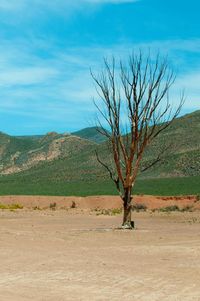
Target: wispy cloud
(27, 76)
(59, 87)
(109, 1)
(56, 6)
(17, 4)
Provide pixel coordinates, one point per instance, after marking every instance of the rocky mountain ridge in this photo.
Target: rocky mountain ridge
(75, 156)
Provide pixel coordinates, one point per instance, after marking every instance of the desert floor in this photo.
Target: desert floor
(79, 254)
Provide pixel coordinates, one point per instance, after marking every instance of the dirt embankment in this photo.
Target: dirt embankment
(99, 202)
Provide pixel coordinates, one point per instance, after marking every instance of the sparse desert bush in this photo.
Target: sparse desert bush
(37, 208)
(64, 208)
(116, 211)
(110, 212)
(193, 220)
(197, 198)
(11, 206)
(52, 206)
(187, 208)
(169, 208)
(103, 212)
(2, 206)
(73, 205)
(139, 207)
(16, 206)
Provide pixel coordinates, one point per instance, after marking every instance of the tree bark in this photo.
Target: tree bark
(127, 224)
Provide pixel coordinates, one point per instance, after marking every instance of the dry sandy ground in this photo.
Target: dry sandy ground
(75, 255)
(99, 202)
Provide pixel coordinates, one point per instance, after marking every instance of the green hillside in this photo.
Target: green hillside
(31, 185)
(91, 134)
(59, 164)
(182, 139)
(20, 154)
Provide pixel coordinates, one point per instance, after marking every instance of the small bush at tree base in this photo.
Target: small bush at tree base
(110, 212)
(139, 207)
(116, 211)
(52, 206)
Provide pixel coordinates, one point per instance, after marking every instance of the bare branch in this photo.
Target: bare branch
(115, 180)
(134, 94)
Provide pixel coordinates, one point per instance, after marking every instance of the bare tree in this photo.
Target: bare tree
(134, 109)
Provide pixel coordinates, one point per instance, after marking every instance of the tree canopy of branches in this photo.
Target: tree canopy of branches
(134, 107)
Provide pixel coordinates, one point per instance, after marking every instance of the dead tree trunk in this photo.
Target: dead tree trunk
(127, 209)
(135, 108)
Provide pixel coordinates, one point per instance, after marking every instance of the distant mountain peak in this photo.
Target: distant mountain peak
(90, 133)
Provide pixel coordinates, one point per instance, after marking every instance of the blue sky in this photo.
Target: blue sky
(48, 47)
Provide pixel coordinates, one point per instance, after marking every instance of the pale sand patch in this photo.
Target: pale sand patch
(64, 255)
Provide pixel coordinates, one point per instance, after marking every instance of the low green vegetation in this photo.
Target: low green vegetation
(172, 208)
(111, 212)
(10, 206)
(169, 208)
(15, 185)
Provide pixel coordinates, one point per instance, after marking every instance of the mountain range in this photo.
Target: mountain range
(71, 157)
